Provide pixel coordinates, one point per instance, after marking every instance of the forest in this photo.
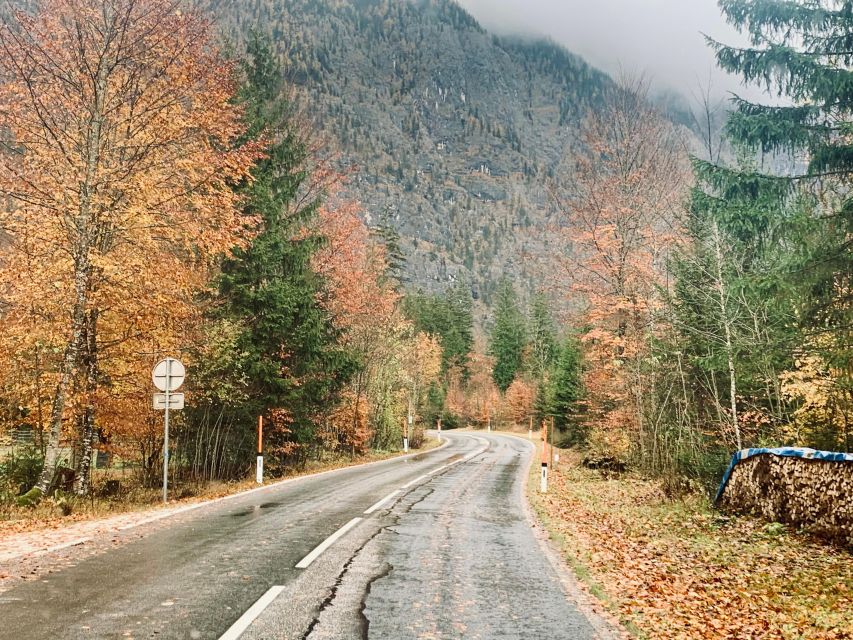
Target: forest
(164, 195)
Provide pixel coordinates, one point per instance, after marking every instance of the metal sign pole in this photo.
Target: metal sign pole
(166, 434)
(168, 376)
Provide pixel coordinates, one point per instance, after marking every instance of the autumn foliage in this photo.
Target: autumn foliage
(116, 171)
(622, 218)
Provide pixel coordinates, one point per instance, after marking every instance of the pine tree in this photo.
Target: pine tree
(449, 317)
(508, 338)
(802, 50)
(286, 348)
(543, 337)
(566, 391)
(459, 341)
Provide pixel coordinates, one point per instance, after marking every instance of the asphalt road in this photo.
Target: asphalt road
(437, 545)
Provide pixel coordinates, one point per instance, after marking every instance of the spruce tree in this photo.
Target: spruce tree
(801, 50)
(286, 349)
(508, 338)
(449, 317)
(543, 337)
(459, 341)
(566, 391)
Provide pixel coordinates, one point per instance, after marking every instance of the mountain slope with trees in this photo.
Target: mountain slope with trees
(450, 134)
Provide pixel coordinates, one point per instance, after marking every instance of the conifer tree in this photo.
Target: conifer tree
(566, 390)
(286, 349)
(543, 337)
(508, 338)
(801, 50)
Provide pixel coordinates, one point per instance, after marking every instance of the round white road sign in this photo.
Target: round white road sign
(169, 372)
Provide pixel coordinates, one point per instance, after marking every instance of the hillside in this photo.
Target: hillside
(449, 132)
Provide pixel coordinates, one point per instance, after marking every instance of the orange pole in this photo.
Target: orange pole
(260, 435)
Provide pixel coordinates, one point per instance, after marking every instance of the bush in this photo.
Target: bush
(20, 471)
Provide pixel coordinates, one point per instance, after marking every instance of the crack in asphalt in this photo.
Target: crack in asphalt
(333, 592)
(365, 622)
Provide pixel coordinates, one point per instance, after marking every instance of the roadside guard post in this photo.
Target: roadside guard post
(543, 482)
(259, 470)
(168, 376)
(439, 429)
(407, 424)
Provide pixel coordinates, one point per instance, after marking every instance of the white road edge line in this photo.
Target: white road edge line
(328, 542)
(442, 468)
(237, 629)
(381, 502)
(272, 485)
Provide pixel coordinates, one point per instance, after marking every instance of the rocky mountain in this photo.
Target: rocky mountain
(450, 133)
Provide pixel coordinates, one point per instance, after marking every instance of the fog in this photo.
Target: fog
(660, 38)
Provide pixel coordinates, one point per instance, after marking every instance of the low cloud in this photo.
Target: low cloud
(660, 38)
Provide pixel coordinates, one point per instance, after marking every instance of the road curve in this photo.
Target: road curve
(431, 546)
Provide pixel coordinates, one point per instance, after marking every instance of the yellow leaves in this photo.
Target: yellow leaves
(823, 403)
(129, 174)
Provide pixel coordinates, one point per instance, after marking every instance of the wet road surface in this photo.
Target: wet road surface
(433, 546)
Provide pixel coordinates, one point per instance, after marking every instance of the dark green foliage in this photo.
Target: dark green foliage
(566, 391)
(508, 336)
(449, 317)
(543, 337)
(280, 348)
(765, 277)
(803, 50)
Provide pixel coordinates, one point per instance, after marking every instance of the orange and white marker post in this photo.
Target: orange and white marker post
(439, 429)
(259, 470)
(543, 481)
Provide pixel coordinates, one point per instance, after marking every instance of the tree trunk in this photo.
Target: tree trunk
(90, 360)
(67, 372)
(727, 330)
(83, 229)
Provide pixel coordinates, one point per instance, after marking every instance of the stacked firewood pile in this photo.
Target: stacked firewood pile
(816, 495)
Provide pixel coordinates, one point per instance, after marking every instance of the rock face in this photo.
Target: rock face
(451, 134)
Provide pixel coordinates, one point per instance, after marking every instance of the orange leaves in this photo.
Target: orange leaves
(118, 180)
(677, 571)
(348, 429)
(362, 298)
(622, 219)
(519, 398)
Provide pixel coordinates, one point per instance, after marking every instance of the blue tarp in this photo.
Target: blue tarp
(786, 452)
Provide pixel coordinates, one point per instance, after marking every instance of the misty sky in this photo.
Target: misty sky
(658, 37)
